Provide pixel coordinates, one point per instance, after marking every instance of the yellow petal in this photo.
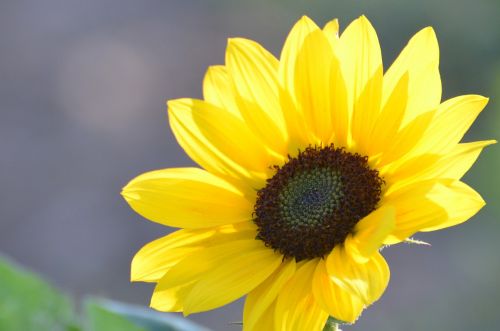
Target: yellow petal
(221, 274)
(331, 31)
(424, 92)
(312, 83)
(340, 117)
(452, 165)
(362, 68)
(187, 198)
(414, 210)
(367, 281)
(265, 322)
(459, 201)
(169, 299)
(262, 297)
(388, 123)
(407, 139)
(316, 98)
(419, 60)
(294, 118)
(296, 307)
(157, 257)
(336, 301)
(253, 71)
(219, 141)
(217, 90)
(228, 277)
(312, 318)
(291, 49)
(339, 102)
(431, 205)
(370, 233)
(453, 119)
(459, 160)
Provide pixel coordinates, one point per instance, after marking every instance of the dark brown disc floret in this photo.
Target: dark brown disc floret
(314, 201)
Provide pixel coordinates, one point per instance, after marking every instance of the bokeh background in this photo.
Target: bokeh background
(83, 86)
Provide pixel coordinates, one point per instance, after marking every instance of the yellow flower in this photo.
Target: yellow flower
(310, 164)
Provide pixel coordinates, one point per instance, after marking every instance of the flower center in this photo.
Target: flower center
(314, 201)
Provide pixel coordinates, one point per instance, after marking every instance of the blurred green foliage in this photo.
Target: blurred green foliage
(101, 319)
(107, 315)
(27, 303)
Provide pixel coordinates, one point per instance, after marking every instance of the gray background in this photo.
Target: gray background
(83, 86)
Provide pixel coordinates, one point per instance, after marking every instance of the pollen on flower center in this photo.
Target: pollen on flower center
(314, 201)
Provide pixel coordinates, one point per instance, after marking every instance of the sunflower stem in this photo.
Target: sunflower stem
(331, 325)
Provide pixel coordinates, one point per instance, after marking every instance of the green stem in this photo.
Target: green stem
(331, 325)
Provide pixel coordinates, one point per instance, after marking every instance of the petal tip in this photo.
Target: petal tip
(231, 41)
(305, 18)
(429, 30)
(190, 307)
(480, 98)
(180, 104)
(332, 27)
(236, 45)
(307, 21)
(363, 19)
(171, 104)
(481, 203)
(134, 272)
(128, 196)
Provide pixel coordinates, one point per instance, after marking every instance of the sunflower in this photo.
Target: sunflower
(309, 165)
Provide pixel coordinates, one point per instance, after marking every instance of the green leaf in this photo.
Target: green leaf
(107, 315)
(28, 303)
(101, 319)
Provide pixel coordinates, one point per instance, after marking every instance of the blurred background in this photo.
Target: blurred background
(83, 86)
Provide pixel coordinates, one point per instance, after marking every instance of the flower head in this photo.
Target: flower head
(310, 164)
